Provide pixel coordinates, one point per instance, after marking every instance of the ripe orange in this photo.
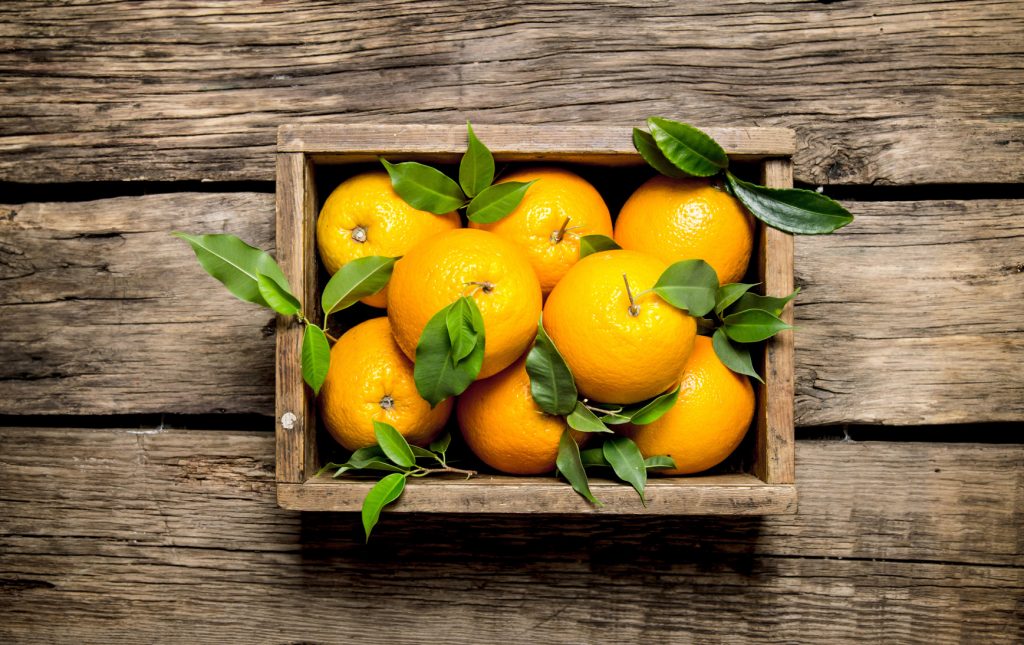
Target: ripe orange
(555, 212)
(714, 410)
(370, 379)
(365, 216)
(463, 262)
(503, 426)
(685, 219)
(618, 354)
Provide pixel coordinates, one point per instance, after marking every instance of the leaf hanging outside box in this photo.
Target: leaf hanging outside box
(236, 264)
(752, 325)
(570, 466)
(276, 297)
(793, 210)
(689, 149)
(316, 357)
(627, 462)
(383, 493)
(476, 169)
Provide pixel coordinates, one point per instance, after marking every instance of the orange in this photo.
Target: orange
(503, 426)
(555, 212)
(618, 353)
(463, 262)
(685, 219)
(714, 410)
(365, 216)
(370, 379)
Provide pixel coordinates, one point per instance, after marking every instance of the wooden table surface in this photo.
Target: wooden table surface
(136, 446)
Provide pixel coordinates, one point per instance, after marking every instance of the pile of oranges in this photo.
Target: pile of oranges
(622, 342)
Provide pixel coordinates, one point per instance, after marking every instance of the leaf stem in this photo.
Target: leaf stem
(420, 471)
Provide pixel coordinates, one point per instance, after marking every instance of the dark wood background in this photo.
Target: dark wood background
(136, 446)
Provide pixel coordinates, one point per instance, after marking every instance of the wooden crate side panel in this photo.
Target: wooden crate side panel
(774, 423)
(295, 420)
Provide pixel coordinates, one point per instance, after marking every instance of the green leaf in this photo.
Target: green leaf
(584, 420)
(659, 461)
(364, 456)
(595, 244)
(752, 325)
(736, 358)
(328, 466)
(316, 356)
(383, 493)
(770, 304)
(793, 210)
(689, 149)
(464, 328)
(551, 381)
(437, 374)
(356, 280)
(423, 453)
(235, 264)
(689, 285)
(497, 201)
(425, 188)
(476, 170)
(654, 410)
(394, 444)
(378, 464)
(570, 465)
(729, 293)
(627, 462)
(593, 458)
(440, 445)
(648, 149)
(276, 296)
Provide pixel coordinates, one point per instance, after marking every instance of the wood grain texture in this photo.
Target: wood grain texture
(774, 423)
(105, 313)
(940, 343)
(295, 420)
(879, 92)
(175, 536)
(913, 314)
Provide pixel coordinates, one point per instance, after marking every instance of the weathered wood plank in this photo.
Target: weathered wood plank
(175, 535)
(894, 92)
(104, 312)
(913, 315)
(100, 306)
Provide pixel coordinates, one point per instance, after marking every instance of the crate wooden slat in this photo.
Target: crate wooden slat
(767, 489)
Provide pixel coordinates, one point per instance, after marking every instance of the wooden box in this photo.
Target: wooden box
(764, 487)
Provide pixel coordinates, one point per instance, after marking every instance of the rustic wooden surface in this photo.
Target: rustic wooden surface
(910, 317)
(149, 535)
(879, 92)
(913, 316)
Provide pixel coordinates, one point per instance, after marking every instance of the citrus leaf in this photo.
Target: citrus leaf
(463, 330)
(617, 417)
(356, 280)
(425, 188)
(729, 293)
(689, 285)
(440, 445)
(584, 420)
(316, 357)
(551, 382)
(648, 149)
(595, 244)
(689, 149)
(422, 453)
(383, 493)
(437, 374)
(364, 456)
(569, 464)
(593, 458)
(752, 325)
(394, 445)
(654, 410)
(793, 210)
(735, 358)
(276, 297)
(659, 461)
(328, 466)
(497, 201)
(627, 462)
(235, 264)
(476, 170)
(771, 304)
(377, 464)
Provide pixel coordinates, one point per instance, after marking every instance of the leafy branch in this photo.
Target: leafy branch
(427, 188)
(393, 454)
(678, 150)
